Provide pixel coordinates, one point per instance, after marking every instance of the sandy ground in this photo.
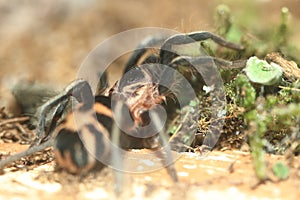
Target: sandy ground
(226, 175)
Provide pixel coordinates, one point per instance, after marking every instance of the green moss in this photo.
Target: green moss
(243, 93)
(281, 170)
(256, 129)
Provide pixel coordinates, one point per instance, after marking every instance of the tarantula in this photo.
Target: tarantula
(86, 132)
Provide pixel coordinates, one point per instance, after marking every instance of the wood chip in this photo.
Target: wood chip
(290, 68)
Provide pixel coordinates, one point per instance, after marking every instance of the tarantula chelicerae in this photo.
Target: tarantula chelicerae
(139, 94)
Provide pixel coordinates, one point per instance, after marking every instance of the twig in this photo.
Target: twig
(28, 152)
(289, 88)
(20, 128)
(13, 120)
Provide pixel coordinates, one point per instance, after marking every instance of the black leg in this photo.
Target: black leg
(164, 152)
(204, 35)
(203, 65)
(59, 111)
(141, 50)
(102, 85)
(167, 55)
(208, 69)
(186, 127)
(116, 154)
(206, 61)
(28, 152)
(79, 89)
